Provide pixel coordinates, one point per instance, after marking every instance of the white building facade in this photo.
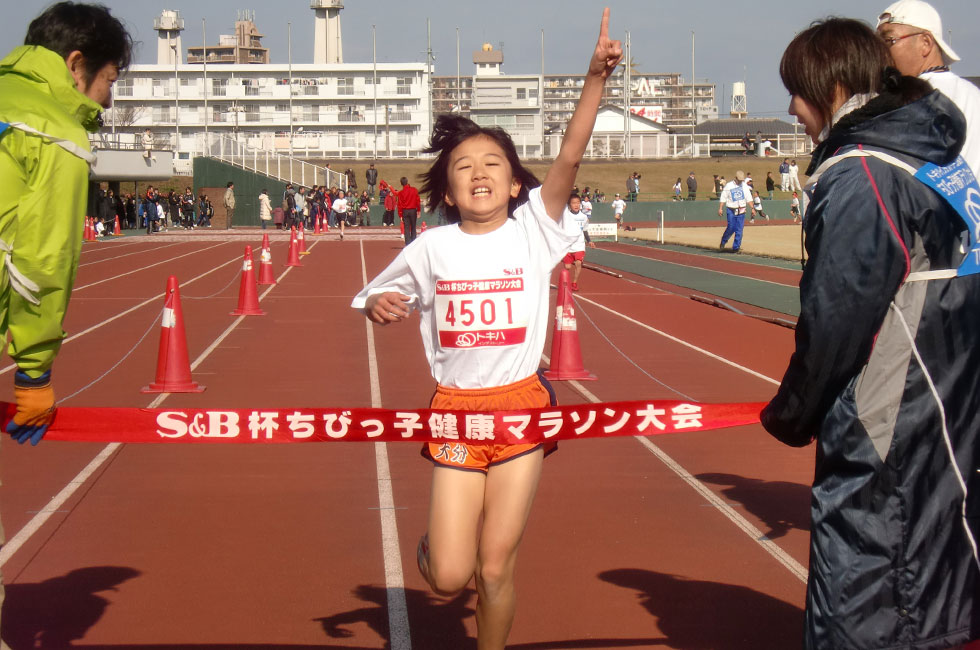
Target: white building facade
(328, 111)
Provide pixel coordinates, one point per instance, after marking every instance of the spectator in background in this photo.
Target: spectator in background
(692, 187)
(390, 199)
(147, 139)
(301, 208)
(371, 175)
(770, 185)
(364, 209)
(631, 187)
(351, 180)
(187, 208)
(746, 144)
(409, 205)
(677, 189)
(130, 204)
(913, 31)
(794, 177)
(784, 182)
(229, 203)
(265, 208)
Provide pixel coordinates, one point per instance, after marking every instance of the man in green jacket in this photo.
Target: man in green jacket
(52, 91)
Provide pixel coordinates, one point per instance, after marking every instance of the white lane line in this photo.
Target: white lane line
(139, 252)
(55, 504)
(156, 298)
(143, 268)
(701, 268)
(741, 522)
(38, 520)
(400, 634)
(686, 344)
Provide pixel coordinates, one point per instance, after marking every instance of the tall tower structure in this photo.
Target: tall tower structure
(740, 107)
(168, 26)
(327, 43)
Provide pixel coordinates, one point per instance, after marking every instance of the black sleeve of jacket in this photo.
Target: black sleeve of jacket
(856, 264)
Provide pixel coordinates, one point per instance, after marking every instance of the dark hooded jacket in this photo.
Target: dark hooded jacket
(886, 378)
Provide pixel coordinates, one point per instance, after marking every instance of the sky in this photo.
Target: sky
(733, 41)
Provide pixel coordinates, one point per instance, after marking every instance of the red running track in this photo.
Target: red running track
(696, 540)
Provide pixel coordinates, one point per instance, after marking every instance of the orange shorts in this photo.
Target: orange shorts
(533, 392)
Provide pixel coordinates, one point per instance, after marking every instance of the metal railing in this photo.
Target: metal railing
(273, 165)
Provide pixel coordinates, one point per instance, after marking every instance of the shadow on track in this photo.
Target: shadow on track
(779, 504)
(58, 611)
(701, 615)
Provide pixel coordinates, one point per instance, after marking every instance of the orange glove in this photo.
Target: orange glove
(35, 407)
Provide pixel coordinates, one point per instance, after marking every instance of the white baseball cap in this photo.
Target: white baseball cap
(916, 13)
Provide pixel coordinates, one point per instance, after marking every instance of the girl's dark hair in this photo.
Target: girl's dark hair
(449, 132)
(69, 26)
(831, 52)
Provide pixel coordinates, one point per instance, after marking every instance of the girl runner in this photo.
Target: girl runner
(484, 345)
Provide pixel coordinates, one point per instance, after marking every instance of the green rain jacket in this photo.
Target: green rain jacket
(44, 170)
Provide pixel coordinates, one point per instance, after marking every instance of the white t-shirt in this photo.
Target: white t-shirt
(587, 208)
(574, 224)
(339, 206)
(757, 202)
(966, 96)
(483, 299)
(618, 206)
(736, 195)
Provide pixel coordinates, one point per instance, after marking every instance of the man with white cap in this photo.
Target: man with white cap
(913, 31)
(735, 197)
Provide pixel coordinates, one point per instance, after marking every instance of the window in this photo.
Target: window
(251, 113)
(218, 87)
(282, 108)
(345, 85)
(348, 140)
(163, 114)
(404, 85)
(522, 93)
(525, 120)
(124, 88)
(185, 82)
(532, 93)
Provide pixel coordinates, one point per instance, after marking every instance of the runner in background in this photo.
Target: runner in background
(481, 285)
(575, 221)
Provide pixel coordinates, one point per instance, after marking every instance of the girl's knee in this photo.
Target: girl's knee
(447, 580)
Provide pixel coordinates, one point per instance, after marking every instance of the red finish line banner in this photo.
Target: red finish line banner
(281, 425)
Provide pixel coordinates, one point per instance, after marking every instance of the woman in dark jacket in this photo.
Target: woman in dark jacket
(886, 372)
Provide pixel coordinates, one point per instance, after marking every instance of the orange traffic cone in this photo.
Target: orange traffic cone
(116, 230)
(316, 224)
(293, 249)
(566, 355)
(173, 368)
(248, 299)
(85, 230)
(326, 223)
(301, 241)
(265, 262)
(89, 233)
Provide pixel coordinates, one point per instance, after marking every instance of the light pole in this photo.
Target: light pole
(694, 109)
(173, 46)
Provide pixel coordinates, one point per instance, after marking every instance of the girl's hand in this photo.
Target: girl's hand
(388, 307)
(607, 53)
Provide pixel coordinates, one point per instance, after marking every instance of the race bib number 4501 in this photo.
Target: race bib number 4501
(481, 313)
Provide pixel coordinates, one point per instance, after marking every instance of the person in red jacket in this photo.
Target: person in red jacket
(390, 199)
(408, 209)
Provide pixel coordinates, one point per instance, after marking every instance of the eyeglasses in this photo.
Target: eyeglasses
(891, 40)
